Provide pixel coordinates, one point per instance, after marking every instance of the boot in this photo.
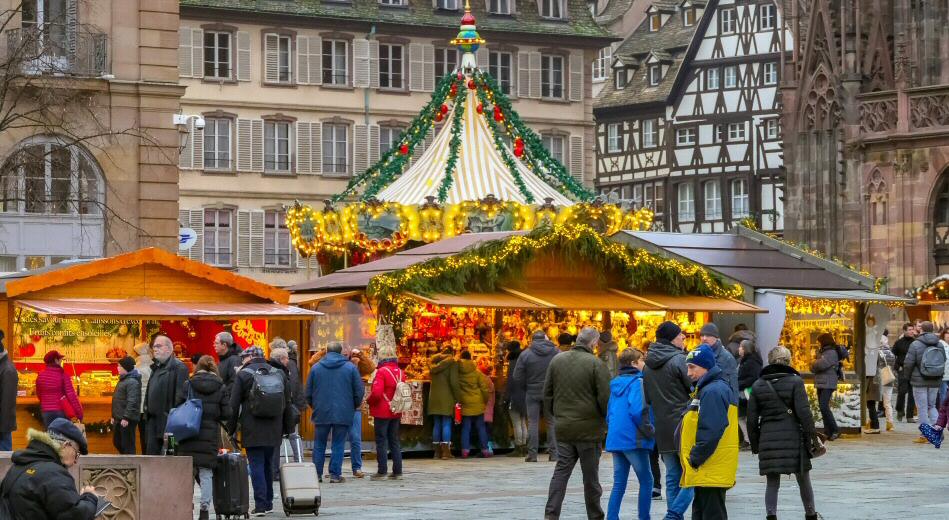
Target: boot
(464, 454)
(438, 450)
(889, 426)
(531, 457)
(204, 515)
(516, 452)
(486, 454)
(446, 451)
(771, 517)
(815, 516)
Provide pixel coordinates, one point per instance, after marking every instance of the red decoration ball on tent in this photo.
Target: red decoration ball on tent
(471, 84)
(461, 76)
(519, 143)
(498, 115)
(404, 149)
(444, 108)
(454, 90)
(480, 108)
(439, 117)
(518, 152)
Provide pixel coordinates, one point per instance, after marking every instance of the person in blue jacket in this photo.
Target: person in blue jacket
(630, 433)
(334, 390)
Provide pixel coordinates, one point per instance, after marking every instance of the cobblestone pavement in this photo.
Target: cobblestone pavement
(875, 477)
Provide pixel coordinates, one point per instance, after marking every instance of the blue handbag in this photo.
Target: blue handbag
(184, 421)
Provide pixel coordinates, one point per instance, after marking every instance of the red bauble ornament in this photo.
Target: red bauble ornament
(439, 117)
(444, 108)
(471, 84)
(480, 108)
(460, 76)
(454, 90)
(519, 143)
(518, 152)
(28, 350)
(404, 149)
(498, 115)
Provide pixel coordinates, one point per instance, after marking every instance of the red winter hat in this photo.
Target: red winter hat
(51, 356)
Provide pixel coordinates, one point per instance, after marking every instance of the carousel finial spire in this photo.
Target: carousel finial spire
(468, 40)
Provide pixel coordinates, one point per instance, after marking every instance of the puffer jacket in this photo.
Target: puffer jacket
(215, 410)
(51, 385)
(127, 397)
(388, 375)
(473, 388)
(708, 436)
(257, 431)
(914, 359)
(531, 370)
(49, 491)
(775, 435)
(667, 391)
(443, 392)
(9, 380)
(514, 392)
(748, 370)
(825, 368)
(629, 420)
(577, 395)
(334, 390)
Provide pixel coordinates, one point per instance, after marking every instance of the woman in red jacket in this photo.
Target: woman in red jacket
(55, 391)
(387, 376)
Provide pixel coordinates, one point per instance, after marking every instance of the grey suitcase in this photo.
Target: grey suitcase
(299, 485)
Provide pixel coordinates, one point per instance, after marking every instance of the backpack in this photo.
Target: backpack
(266, 398)
(843, 354)
(932, 363)
(401, 401)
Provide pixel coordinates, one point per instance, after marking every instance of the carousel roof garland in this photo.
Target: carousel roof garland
(936, 289)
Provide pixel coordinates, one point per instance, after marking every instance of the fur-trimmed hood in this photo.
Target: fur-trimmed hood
(41, 447)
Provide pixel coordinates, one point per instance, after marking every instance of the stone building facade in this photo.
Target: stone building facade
(866, 143)
(87, 144)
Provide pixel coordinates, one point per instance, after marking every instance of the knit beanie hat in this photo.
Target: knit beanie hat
(709, 329)
(127, 363)
(668, 331)
(385, 343)
(826, 339)
(701, 356)
(587, 337)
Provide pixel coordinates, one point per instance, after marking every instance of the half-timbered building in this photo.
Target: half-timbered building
(689, 124)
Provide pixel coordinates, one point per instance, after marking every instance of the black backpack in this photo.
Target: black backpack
(266, 398)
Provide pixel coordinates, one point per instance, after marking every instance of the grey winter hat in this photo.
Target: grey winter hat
(709, 329)
(539, 334)
(588, 336)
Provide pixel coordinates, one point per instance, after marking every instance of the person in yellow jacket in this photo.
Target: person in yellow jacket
(709, 436)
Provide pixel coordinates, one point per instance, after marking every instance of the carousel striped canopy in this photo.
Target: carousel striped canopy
(480, 170)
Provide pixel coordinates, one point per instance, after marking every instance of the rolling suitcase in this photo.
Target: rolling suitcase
(231, 492)
(299, 485)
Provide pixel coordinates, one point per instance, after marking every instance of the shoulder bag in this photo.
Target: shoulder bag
(887, 377)
(184, 421)
(816, 445)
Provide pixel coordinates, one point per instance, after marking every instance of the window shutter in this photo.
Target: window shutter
(373, 144)
(374, 64)
(360, 149)
(315, 60)
(244, 145)
(303, 64)
(534, 66)
(576, 76)
(301, 262)
(304, 152)
(523, 75)
(482, 58)
(72, 27)
(197, 53)
(257, 145)
(196, 222)
(186, 156)
(243, 238)
(316, 147)
(416, 67)
(428, 60)
(185, 58)
(256, 238)
(271, 58)
(576, 157)
(361, 63)
(243, 56)
(197, 138)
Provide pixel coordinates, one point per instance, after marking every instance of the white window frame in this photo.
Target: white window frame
(447, 5)
(655, 74)
(278, 134)
(767, 17)
(728, 20)
(685, 201)
(737, 131)
(688, 17)
(442, 62)
(503, 74)
(337, 74)
(501, 7)
(388, 137)
(655, 22)
(335, 134)
(614, 138)
(730, 74)
(685, 136)
(713, 78)
(550, 79)
(387, 78)
(721, 133)
(712, 195)
(772, 129)
(277, 249)
(392, 3)
(552, 9)
(284, 58)
(86, 182)
(218, 157)
(601, 65)
(212, 55)
(769, 73)
(555, 145)
(741, 207)
(213, 235)
(654, 196)
(650, 132)
(620, 79)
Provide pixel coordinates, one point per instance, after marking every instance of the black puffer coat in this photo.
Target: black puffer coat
(667, 390)
(215, 410)
(256, 431)
(777, 436)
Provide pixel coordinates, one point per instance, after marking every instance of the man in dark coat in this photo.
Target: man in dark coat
(166, 390)
(723, 358)
(334, 390)
(667, 390)
(259, 432)
(515, 401)
(39, 486)
(126, 406)
(530, 375)
(905, 405)
(576, 394)
(9, 379)
(228, 354)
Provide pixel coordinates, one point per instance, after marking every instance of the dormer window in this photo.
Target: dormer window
(448, 5)
(500, 6)
(655, 74)
(655, 22)
(688, 17)
(620, 79)
(551, 9)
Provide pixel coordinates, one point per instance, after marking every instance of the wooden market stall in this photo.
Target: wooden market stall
(96, 312)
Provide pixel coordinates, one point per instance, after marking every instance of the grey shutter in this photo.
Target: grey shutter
(482, 57)
(197, 52)
(197, 137)
(185, 58)
(186, 156)
(316, 147)
(534, 66)
(360, 148)
(361, 63)
(196, 222)
(303, 65)
(373, 144)
(256, 238)
(304, 150)
(257, 145)
(576, 76)
(374, 64)
(72, 28)
(315, 60)
(428, 60)
(271, 58)
(523, 75)
(243, 238)
(416, 67)
(576, 157)
(243, 56)
(243, 145)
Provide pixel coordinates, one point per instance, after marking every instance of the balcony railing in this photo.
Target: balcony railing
(59, 50)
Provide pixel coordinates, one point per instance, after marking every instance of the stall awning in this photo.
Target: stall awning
(304, 298)
(152, 309)
(702, 304)
(497, 300)
(857, 296)
(586, 299)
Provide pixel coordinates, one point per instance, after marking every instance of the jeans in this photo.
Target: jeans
(534, 407)
(709, 504)
(204, 477)
(442, 429)
(926, 404)
(519, 421)
(123, 438)
(677, 498)
(942, 393)
(639, 461)
(905, 404)
(478, 421)
(387, 443)
(336, 451)
(803, 482)
(261, 476)
(568, 453)
(355, 442)
(49, 417)
(888, 402)
(6, 441)
(823, 399)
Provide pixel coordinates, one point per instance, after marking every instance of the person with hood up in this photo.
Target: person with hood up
(515, 401)
(723, 358)
(630, 435)
(55, 390)
(335, 391)
(749, 368)
(39, 486)
(709, 436)
(667, 392)
(207, 386)
(925, 389)
(826, 376)
(9, 381)
(443, 393)
(607, 352)
(473, 398)
(387, 378)
(229, 357)
(740, 334)
(530, 375)
(126, 407)
(780, 426)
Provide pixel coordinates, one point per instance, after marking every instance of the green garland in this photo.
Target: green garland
(499, 144)
(538, 156)
(454, 145)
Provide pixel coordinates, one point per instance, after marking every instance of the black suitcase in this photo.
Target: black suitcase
(231, 493)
